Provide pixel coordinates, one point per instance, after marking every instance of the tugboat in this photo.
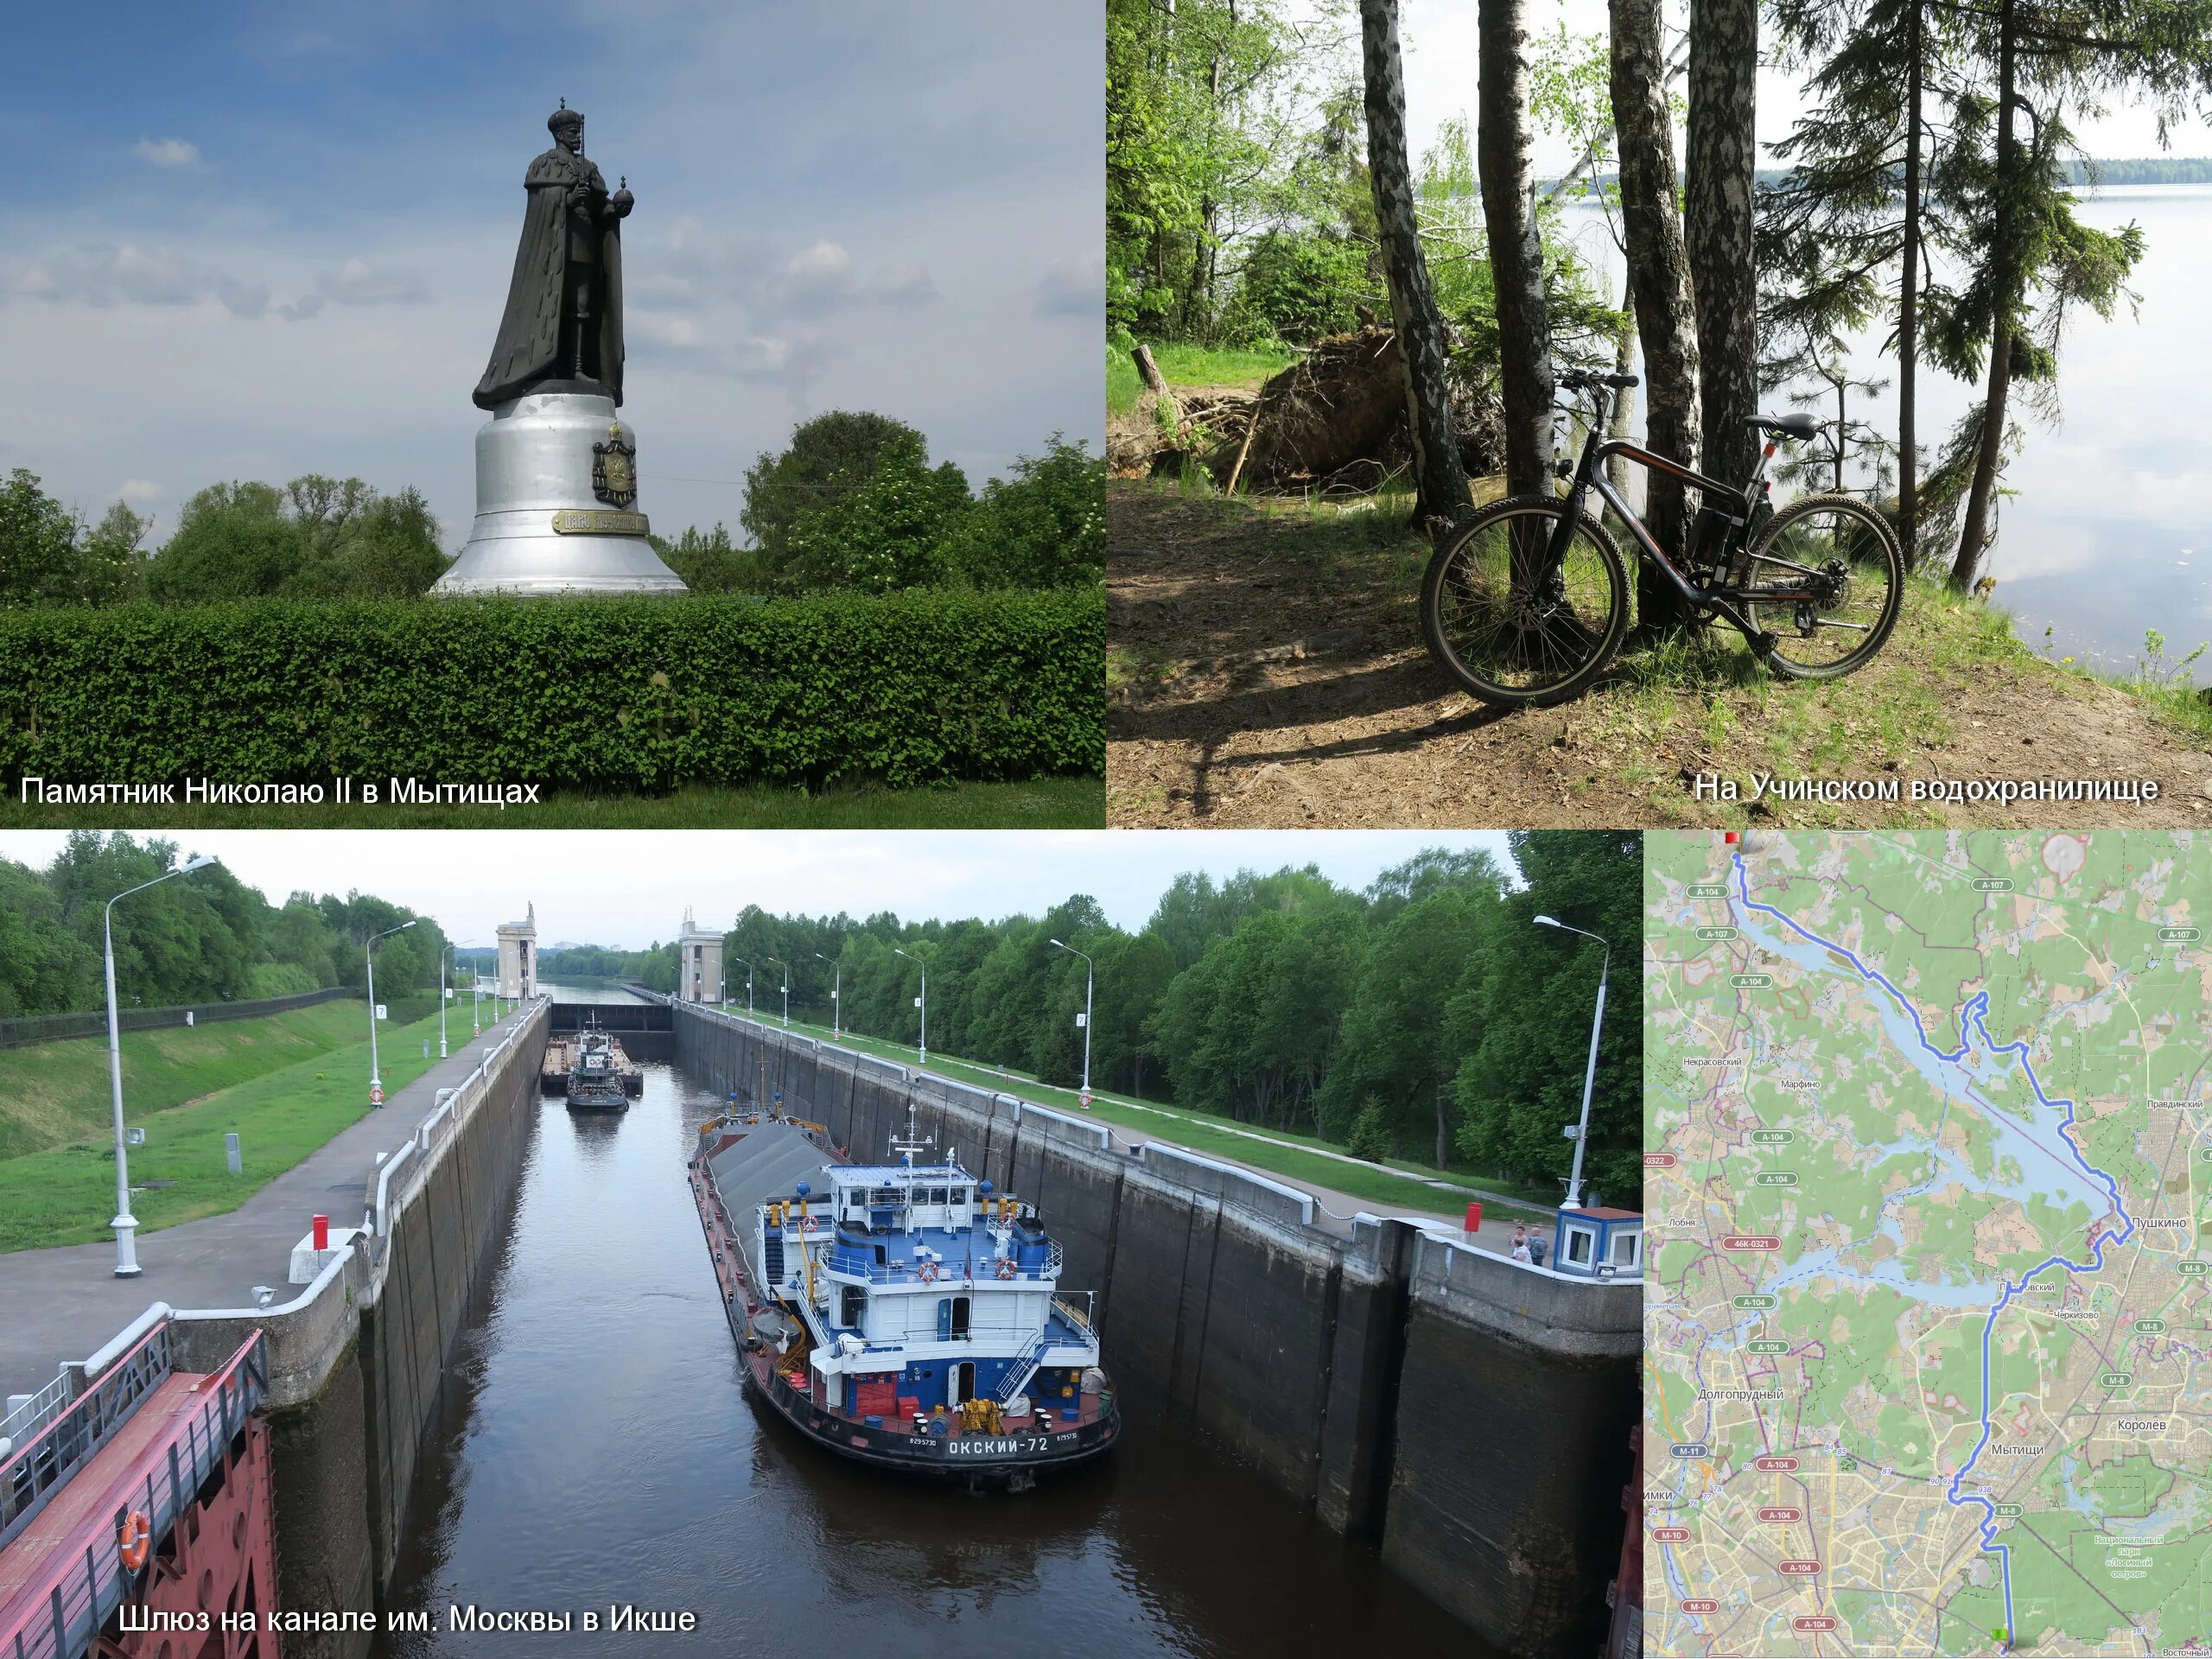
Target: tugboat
(903, 1314)
(595, 1075)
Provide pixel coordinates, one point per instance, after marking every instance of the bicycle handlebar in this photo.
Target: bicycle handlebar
(1587, 379)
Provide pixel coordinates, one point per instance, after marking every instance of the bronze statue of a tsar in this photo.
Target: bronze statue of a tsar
(564, 321)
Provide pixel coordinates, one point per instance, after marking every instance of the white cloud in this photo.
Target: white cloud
(167, 152)
(127, 273)
(140, 489)
(358, 282)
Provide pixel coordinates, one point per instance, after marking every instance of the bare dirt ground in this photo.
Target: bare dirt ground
(1264, 675)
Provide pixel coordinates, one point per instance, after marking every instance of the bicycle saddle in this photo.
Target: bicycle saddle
(1800, 427)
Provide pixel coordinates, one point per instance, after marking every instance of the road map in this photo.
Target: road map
(1928, 1201)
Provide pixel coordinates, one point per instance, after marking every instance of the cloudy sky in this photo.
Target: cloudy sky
(274, 236)
(628, 888)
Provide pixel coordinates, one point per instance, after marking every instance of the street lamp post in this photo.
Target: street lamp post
(442, 955)
(786, 967)
(921, 1002)
(1090, 977)
(368, 955)
(837, 998)
(125, 1223)
(749, 984)
(1590, 1075)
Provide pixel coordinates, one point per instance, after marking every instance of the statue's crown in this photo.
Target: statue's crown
(563, 118)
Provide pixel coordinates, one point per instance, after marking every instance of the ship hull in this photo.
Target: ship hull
(1013, 1460)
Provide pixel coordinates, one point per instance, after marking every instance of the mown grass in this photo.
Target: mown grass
(1209, 1133)
(1041, 804)
(1190, 365)
(66, 1194)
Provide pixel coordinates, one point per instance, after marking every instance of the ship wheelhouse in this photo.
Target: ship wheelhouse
(922, 1288)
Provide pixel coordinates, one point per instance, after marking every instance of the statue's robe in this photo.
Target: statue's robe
(528, 348)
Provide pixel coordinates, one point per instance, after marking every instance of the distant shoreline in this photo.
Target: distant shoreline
(2151, 170)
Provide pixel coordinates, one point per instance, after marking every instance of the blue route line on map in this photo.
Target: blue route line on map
(1971, 1025)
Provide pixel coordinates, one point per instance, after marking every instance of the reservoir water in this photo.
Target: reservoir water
(594, 1450)
(2108, 534)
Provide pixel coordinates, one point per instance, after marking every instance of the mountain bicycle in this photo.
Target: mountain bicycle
(1528, 602)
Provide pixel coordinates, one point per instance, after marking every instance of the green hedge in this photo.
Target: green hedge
(635, 696)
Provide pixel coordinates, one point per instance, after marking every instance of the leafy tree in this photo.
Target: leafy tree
(710, 563)
(44, 967)
(1521, 1015)
(1440, 479)
(2035, 261)
(1720, 156)
(1508, 176)
(317, 537)
(883, 534)
(1658, 279)
(48, 556)
(829, 457)
(1043, 527)
(1305, 285)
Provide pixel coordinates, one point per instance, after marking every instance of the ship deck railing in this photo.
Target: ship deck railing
(967, 1272)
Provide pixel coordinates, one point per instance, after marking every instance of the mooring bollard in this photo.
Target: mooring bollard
(1474, 1217)
(322, 1232)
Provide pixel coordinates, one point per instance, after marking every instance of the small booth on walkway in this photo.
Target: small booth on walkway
(1599, 1244)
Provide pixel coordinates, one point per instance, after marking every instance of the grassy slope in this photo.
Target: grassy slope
(1207, 1132)
(1045, 803)
(57, 1092)
(65, 1194)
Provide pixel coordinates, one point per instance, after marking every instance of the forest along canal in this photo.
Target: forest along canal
(594, 1450)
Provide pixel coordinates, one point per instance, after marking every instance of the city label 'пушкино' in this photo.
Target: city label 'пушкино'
(910, 1318)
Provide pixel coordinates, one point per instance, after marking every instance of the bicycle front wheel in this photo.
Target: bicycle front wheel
(1510, 625)
(1826, 583)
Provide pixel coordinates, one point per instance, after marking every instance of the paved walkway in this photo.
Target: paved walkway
(63, 1304)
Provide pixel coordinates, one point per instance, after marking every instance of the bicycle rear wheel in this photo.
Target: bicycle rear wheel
(1830, 613)
(1507, 624)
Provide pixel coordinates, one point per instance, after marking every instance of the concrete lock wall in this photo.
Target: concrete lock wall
(357, 1361)
(1471, 1413)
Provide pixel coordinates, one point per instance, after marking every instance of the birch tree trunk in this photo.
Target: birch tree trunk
(1621, 422)
(1720, 157)
(1440, 480)
(1659, 279)
(2005, 262)
(1517, 260)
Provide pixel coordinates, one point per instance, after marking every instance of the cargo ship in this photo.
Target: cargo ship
(903, 1314)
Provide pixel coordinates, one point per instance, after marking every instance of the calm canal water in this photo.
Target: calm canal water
(596, 1450)
(2109, 533)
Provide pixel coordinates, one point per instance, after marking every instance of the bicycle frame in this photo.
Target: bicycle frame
(1589, 474)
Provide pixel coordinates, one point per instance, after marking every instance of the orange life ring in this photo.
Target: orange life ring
(136, 1540)
(927, 1272)
(1005, 1267)
(809, 1224)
